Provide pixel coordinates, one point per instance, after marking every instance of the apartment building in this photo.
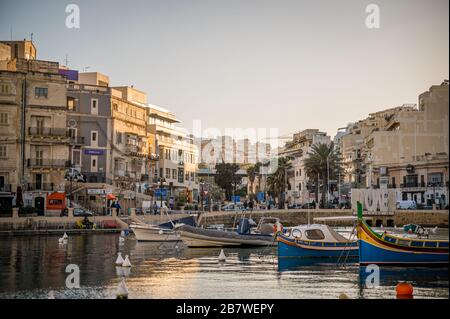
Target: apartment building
(178, 154)
(34, 143)
(351, 145)
(134, 154)
(410, 153)
(89, 124)
(300, 189)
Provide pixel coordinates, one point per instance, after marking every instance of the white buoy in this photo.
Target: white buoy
(222, 256)
(122, 290)
(122, 233)
(119, 260)
(126, 262)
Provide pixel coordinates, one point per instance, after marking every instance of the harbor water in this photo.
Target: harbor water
(35, 267)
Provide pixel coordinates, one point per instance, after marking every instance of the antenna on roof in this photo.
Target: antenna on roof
(67, 60)
(11, 31)
(31, 36)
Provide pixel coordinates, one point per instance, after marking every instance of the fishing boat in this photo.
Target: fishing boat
(315, 241)
(244, 236)
(162, 232)
(386, 249)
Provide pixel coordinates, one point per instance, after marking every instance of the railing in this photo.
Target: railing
(95, 177)
(53, 163)
(40, 187)
(5, 188)
(47, 131)
(77, 140)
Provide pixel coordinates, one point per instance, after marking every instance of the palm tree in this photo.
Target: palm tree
(323, 162)
(277, 181)
(252, 173)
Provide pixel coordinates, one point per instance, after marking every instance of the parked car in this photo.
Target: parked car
(75, 175)
(81, 212)
(406, 204)
(232, 207)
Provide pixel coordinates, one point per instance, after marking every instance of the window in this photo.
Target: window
(94, 137)
(76, 157)
(41, 92)
(94, 106)
(70, 104)
(2, 151)
(174, 174)
(115, 107)
(314, 234)
(94, 164)
(4, 88)
(168, 172)
(4, 119)
(297, 233)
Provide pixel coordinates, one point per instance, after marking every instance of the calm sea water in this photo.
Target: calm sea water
(34, 267)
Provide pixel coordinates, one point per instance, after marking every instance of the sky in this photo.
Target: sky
(290, 65)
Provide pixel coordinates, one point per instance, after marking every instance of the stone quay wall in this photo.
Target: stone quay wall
(293, 217)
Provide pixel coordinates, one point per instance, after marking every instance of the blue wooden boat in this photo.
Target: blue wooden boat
(386, 249)
(315, 241)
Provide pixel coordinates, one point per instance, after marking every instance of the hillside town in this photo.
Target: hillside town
(70, 139)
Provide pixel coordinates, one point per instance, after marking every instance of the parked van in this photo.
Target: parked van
(406, 204)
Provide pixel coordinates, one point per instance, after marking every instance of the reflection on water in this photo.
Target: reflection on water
(34, 267)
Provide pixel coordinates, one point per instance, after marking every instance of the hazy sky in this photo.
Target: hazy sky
(249, 63)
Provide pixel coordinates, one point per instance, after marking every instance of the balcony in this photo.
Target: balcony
(76, 140)
(40, 187)
(47, 132)
(130, 149)
(5, 188)
(47, 163)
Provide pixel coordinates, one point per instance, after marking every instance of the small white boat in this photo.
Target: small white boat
(144, 232)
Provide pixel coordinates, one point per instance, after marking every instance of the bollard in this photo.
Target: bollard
(15, 214)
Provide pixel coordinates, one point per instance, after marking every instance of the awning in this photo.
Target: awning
(110, 196)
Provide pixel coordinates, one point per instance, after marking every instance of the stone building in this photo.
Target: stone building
(34, 142)
(410, 153)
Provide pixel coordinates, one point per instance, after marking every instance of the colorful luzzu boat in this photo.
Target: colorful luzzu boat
(386, 249)
(315, 241)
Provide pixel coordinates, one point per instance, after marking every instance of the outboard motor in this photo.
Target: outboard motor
(243, 227)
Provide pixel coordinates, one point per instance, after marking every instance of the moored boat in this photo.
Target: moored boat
(162, 232)
(145, 232)
(387, 249)
(315, 241)
(263, 235)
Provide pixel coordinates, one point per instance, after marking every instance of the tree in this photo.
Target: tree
(323, 160)
(252, 173)
(226, 177)
(277, 181)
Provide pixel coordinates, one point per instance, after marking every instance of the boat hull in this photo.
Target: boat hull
(198, 237)
(289, 248)
(373, 250)
(155, 235)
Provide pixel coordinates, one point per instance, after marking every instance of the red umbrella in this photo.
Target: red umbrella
(111, 196)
